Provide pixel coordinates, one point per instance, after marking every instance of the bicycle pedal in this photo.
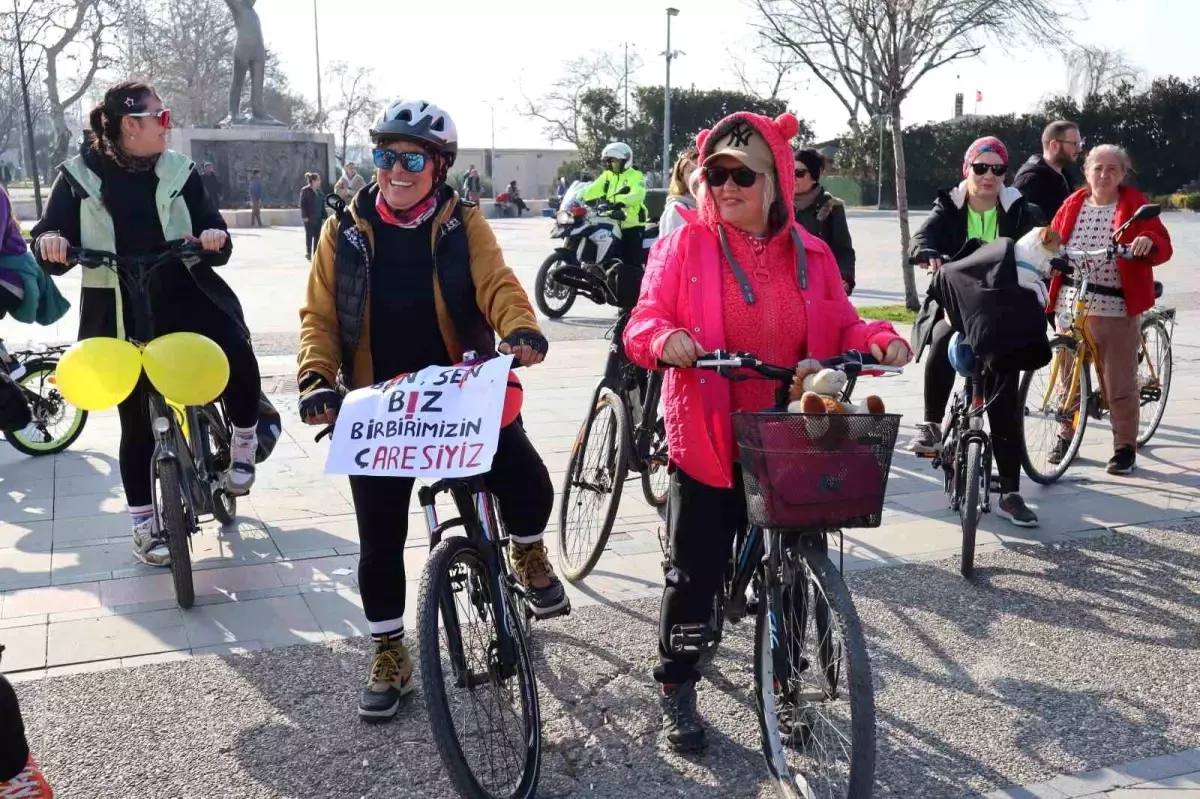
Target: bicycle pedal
(928, 456)
(691, 638)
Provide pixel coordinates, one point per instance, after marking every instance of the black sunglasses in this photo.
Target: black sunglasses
(716, 176)
(997, 169)
(412, 162)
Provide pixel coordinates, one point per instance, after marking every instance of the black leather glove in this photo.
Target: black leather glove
(617, 214)
(528, 338)
(317, 397)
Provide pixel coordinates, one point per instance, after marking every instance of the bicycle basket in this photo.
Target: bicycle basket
(815, 472)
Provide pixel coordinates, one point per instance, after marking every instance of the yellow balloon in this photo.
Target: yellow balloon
(189, 369)
(98, 373)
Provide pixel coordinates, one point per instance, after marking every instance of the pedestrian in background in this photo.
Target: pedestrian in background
(349, 183)
(212, 183)
(256, 198)
(312, 211)
(473, 185)
(822, 214)
(1045, 180)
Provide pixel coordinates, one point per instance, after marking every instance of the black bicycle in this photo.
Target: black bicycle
(473, 626)
(54, 423)
(192, 446)
(624, 431)
(806, 477)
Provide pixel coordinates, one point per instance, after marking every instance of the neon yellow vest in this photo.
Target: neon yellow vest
(96, 230)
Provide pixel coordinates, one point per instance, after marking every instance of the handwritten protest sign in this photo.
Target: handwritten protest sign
(443, 421)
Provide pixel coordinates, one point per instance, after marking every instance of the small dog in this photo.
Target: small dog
(1033, 252)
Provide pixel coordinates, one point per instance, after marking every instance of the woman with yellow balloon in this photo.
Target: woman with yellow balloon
(128, 194)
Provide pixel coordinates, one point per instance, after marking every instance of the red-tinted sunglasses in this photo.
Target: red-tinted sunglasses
(163, 116)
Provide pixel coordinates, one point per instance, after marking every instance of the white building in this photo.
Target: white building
(534, 169)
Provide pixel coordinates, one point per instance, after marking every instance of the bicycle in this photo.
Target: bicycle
(805, 477)
(192, 444)
(56, 423)
(467, 587)
(1073, 353)
(629, 435)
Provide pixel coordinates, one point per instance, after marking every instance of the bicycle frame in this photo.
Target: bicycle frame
(480, 522)
(967, 426)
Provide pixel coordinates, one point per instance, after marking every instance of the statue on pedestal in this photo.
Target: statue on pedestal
(249, 56)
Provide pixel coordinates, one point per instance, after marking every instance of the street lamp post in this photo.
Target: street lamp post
(670, 54)
(490, 163)
(317, 46)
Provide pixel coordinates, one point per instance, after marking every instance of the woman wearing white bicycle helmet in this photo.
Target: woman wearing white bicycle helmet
(407, 276)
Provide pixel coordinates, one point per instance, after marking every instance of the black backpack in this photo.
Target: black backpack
(14, 408)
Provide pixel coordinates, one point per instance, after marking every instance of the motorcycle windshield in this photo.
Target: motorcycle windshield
(571, 198)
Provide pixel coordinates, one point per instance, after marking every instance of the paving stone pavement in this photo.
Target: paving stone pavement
(73, 600)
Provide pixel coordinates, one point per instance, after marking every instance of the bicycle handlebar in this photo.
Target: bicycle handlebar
(96, 259)
(854, 363)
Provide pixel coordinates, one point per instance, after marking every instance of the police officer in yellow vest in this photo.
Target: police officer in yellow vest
(128, 194)
(623, 187)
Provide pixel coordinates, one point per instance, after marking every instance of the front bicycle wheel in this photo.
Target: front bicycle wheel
(968, 511)
(56, 423)
(816, 703)
(592, 487)
(1053, 419)
(483, 710)
(1153, 376)
(173, 523)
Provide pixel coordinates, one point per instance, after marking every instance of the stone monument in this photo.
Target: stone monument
(242, 143)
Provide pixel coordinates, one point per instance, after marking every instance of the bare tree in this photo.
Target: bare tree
(1097, 70)
(356, 102)
(871, 53)
(563, 108)
(77, 33)
(770, 71)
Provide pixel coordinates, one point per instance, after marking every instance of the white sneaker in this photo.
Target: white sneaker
(148, 546)
(239, 477)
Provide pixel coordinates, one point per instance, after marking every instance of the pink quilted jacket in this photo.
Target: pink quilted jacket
(682, 290)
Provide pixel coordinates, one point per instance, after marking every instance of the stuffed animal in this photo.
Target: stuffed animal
(1033, 253)
(816, 389)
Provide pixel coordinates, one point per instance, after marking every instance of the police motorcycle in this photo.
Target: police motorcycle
(585, 259)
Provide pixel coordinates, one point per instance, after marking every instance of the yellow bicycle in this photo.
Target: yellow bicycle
(1059, 398)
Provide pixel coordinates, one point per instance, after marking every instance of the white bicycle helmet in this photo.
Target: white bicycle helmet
(620, 151)
(420, 122)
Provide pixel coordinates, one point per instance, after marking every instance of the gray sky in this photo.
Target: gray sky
(484, 50)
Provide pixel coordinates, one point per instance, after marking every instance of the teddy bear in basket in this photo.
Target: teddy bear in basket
(816, 389)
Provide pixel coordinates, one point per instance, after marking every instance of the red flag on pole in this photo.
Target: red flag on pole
(978, 96)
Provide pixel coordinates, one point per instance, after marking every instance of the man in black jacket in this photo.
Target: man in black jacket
(212, 184)
(1045, 179)
(822, 214)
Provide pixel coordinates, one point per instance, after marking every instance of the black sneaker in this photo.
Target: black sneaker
(1013, 508)
(1059, 451)
(1123, 461)
(390, 679)
(682, 730)
(928, 439)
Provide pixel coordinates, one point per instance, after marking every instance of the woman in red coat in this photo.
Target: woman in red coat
(1124, 288)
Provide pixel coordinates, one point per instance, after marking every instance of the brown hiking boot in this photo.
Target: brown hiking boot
(390, 679)
(543, 590)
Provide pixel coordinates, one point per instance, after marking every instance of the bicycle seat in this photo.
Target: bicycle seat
(1158, 289)
(962, 357)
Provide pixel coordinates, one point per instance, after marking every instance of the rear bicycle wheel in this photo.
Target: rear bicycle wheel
(1050, 408)
(483, 713)
(173, 523)
(1155, 363)
(56, 423)
(816, 703)
(219, 442)
(592, 487)
(973, 477)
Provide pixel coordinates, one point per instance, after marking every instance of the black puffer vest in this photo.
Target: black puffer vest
(452, 266)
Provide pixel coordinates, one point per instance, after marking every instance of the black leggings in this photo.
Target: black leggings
(241, 394)
(518, 480)
(1004, 411)
(312, 232)
(14, 749)
(703, 521)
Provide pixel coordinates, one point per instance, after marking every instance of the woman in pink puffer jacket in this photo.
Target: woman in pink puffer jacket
(741, 275)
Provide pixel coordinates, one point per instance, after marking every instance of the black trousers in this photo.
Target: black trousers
(196, 315)
(518, 480)
(312, 232)
(1004, 411)
(703, 522)
(14, 749)
(632, 251)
